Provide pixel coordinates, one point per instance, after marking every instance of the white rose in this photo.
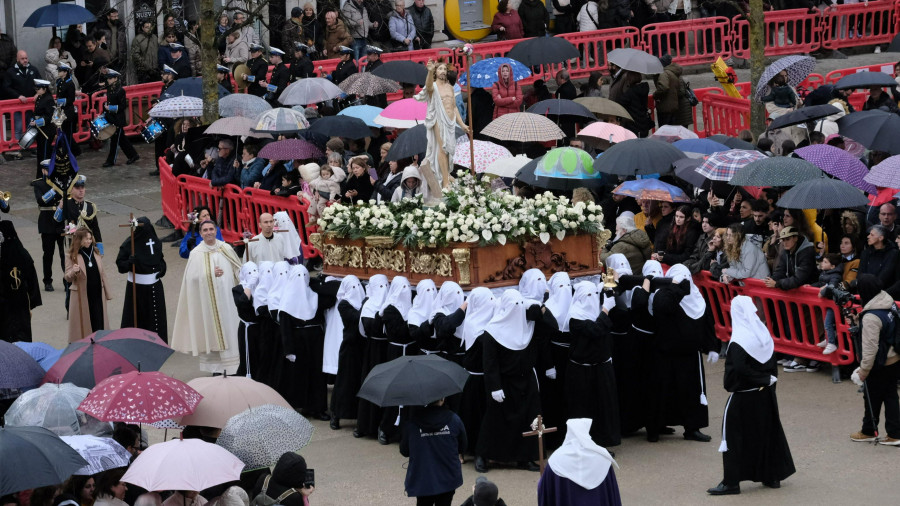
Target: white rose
(553, 218)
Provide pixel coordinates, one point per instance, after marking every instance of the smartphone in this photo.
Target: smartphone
(310, 479)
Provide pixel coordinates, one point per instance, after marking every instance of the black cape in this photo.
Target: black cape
(20, 291)
(151, 299)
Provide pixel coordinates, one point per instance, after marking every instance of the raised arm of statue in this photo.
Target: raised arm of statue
(429, 81)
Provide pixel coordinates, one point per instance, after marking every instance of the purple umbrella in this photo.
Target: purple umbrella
(886, 174)
(838, 163)
(290, 149)
(17, 368)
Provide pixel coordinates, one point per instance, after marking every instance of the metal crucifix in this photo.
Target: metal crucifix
(538, 429)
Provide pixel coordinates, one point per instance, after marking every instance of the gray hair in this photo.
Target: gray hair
(335, 156)
(563, 74)
(879, 229)
(625, 222)
(228, 143)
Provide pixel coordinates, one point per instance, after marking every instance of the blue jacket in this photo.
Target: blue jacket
(194, 239)
(433, 439)
(252, 173)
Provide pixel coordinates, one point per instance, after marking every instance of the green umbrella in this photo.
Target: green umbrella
(567, 163)
(775, 171)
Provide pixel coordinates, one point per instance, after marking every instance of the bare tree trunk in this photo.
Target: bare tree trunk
(757, 64)
(210, 57)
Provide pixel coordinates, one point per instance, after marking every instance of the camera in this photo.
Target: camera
(840, 297)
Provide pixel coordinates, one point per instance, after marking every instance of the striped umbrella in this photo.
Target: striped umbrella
(405, 113)
(722, 166)
(775, 171)
(886, 174)
(838, 163)
(290, 149)
(485, 154)
(523, 127)
(607, 132)
(367, 84)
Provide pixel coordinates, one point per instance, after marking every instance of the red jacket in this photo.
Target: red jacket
(507, 97)
(509, 20)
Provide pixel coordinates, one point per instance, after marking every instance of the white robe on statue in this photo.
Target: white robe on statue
(437, 118)
(272, 249)
(206, 322)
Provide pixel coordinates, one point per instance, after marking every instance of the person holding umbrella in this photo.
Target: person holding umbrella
(433, 438)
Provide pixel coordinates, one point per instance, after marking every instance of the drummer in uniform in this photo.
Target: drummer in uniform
(116, 106)
(222, 78)
(302, 66)
(79, 212)
(65, 98)
(42, 120)
(168, 75)
(49, 191)
(346, 67)
(281, 76)
(373, 61)
(180, 61)
(258, 68)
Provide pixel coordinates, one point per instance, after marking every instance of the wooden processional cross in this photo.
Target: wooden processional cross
(246, 243)
(134, 224)
(538, 429)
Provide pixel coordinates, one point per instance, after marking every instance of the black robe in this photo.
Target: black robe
(553, 354)
(248, 332)
(20, 291)
(151, 298)
(450, 347)
(302, 382)
(627, 363)
(637, 350)
(757, 448)
(473, 400)
(268, 343)
(348, 380)
(504, 422)
(591, 379)
(376, 349)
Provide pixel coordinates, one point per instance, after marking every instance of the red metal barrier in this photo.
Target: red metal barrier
(139, 96)
(791, 31)
(872, 23)
(226, 203)
(719, 296)
(12, 111)
(689, 42)
(171, 196)
(836, 75)
(594, 46)
(724, 115)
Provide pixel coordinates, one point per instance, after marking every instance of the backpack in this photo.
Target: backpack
(688, 93)
(890, 332)
(262, 499)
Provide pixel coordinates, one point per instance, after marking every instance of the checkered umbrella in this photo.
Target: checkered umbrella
(886, 174)
(367, 84)
(775, 171)
(798, 68)
(485, 153)
(839, 164)
(178, 107)
(723, 165)
(523, 127)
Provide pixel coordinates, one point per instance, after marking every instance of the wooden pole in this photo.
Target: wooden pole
(131, 225)
(469, 114)
(539, 430)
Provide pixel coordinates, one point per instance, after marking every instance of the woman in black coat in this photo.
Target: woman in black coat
(359, 185)
(682, 237)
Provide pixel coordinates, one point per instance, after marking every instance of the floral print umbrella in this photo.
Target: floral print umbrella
(798, 68)
(484, 72)
(140, 397)
(652, 189)
(485, 154)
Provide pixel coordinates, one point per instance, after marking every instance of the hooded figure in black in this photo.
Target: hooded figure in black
(19, 288)
(149, 268)
(289, 473)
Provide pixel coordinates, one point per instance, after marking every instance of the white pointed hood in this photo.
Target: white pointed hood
(585, 302)
(509, 327)
(425, 304)
(533, 286)
(249, 275)
(749, 331)
(399, 295)
(376, 291)
(280, 273)
(694, 304)
(560, 299)
(579, 458)
(297, 298)
(480, 311)
(266, 279)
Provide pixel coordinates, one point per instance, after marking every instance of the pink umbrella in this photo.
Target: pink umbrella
(607, 132)
(183, 464)
(485, 153)
(140, 397)
(405, 113)
(290, 149)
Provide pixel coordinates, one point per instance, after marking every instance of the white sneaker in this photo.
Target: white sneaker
(784, 361)
(829, 349)
(822, 343)
(877, 49)
(794, 367)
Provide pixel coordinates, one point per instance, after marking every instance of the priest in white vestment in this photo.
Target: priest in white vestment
(268, 246)
(206, 323)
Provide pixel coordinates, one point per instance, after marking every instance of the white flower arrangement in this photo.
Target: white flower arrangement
(470, 212)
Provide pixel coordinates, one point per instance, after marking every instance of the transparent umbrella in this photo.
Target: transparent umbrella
(242, 104)
(54, 407)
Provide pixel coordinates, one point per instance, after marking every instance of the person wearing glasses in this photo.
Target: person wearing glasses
(222, 171)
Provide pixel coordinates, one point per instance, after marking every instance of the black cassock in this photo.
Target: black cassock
(504, 422)
(450, 347)
(348, 379)
(150, 267)
(248, 332)
(268, 344)
(679, 346)
(400, 343)
(553, 347)
(19, 288)
(757, 448)
(628, 358)
(638, 350)
(302, 382)
(473, 400)
(591, 379)
(375, 352)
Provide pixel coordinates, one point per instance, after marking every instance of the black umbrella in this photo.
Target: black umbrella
(803, 115)
(822, 193)
(876, 129)
(527, 176)
(341, 126)
(189, 87)
(775, 171)
(413, 381)
(686, 169)
(543, 50)
(732, 142)
(561, 107)
(411, 142)
(865, 80)
(403, 71)
(32, 457)
(639, 156)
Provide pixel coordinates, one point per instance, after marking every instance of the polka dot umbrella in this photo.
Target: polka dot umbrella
(486, 153)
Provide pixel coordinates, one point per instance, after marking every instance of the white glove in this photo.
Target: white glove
(855, 377)
(292, 358)
(551, 373)
(608, 303)
(498, 395)
(712, 358)
(772, 380)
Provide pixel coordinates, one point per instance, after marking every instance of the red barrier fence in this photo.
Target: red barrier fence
(836, 75)
(859, 24)
(791, 31)
(724, 115)
(690, 42)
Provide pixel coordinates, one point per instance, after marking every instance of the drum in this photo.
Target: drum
(29, 138)
(152, 130)
(241, 70)
(102, 129)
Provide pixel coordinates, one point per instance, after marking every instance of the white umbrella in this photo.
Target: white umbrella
(309, 91)
(55, 407)
(183, 464)
(101, 453)
(178, 107)
(507, 167)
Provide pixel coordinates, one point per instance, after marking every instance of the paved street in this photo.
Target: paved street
(817, 415)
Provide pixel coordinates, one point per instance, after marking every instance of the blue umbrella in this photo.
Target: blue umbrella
(62, 14)
(651, 189)
(700, 147)
(17, 368)
(484, 72)
(189, 87)
(366, 113)
(43, 353)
